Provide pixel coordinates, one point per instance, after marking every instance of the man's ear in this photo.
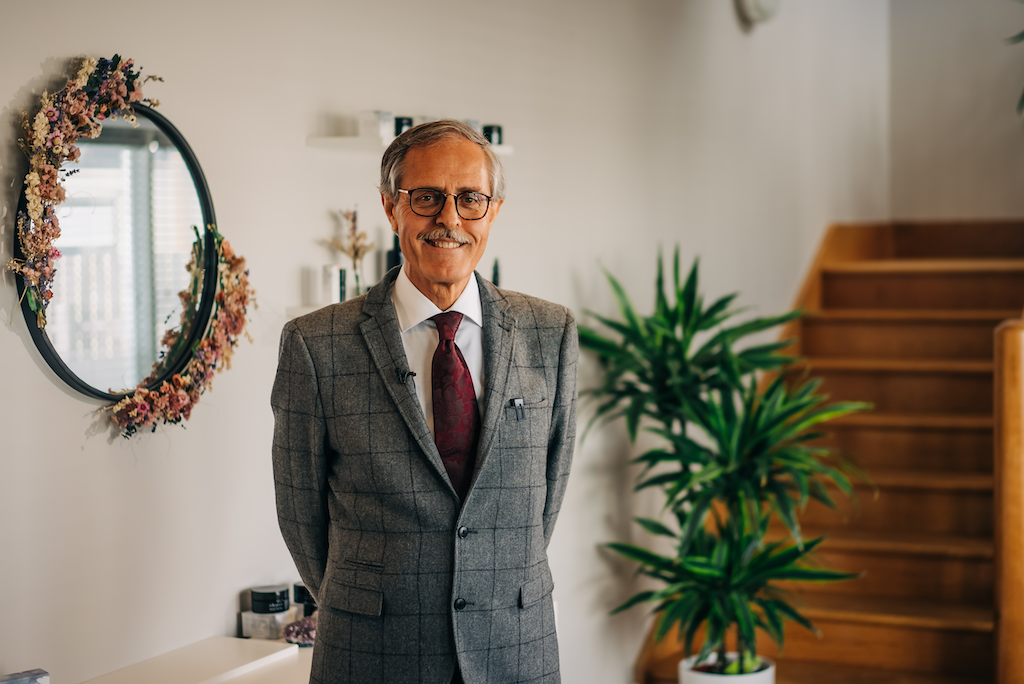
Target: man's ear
(389, 208)
(496, 207)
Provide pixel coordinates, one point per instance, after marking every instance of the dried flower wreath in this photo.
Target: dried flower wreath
(105, 89)
(100, 89)
(173, 400)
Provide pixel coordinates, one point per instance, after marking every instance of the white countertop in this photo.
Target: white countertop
(293, 669)
(220, 659)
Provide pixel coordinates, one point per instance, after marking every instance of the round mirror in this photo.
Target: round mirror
(132, 238)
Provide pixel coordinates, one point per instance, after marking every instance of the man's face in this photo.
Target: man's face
(437, 264)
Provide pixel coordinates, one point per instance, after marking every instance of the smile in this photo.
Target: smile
(444, 244)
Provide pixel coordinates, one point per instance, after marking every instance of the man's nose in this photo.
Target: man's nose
(449, 215)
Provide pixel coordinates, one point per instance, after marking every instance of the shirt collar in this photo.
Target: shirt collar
(412, 307)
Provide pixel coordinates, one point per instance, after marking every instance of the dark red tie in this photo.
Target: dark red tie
(456, 419)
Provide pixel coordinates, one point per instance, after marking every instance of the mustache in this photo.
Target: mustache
(444, 234)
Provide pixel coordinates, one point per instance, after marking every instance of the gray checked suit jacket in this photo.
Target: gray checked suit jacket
(409, 583)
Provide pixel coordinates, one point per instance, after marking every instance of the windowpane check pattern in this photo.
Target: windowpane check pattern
(409, 581)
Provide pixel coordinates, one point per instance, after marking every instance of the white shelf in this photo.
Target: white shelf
(212, 661)
(365, 144)
(294, 669)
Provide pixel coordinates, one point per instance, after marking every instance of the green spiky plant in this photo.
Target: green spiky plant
(731, 452)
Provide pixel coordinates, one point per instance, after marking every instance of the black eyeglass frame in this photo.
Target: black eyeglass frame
(456, 195)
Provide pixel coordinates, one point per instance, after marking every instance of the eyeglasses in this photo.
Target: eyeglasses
(429, 202)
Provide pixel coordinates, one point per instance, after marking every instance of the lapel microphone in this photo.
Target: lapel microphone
(404, 375)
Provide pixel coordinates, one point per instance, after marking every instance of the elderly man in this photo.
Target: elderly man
(422, 441)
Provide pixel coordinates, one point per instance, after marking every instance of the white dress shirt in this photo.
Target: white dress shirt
(419, 336)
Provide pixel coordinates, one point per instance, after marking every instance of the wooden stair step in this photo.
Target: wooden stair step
(926, 266)
(802, 672)
(910, 390)
(931, 480)
(959, 239)
(901, 333)
(925, 636)
(902, 447)
(956, 503)
(923, 284)
(903, 565)
(909, 505)
(898, 612)
(909, 419)
(995, 316)
(936, 385)
(903, 543)
(856, 365)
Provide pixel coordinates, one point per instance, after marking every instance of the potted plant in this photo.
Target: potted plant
(736, 452)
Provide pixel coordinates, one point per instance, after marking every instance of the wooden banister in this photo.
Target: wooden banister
(1009, 501)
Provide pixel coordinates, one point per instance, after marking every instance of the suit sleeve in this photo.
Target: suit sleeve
(299, 455)
(562, 440)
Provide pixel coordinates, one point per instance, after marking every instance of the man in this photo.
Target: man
(422, 441)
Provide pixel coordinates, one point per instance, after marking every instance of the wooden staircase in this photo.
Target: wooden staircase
(903, 316)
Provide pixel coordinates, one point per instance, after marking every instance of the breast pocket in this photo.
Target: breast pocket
(521, 409)
(526, 422)
(524, 432)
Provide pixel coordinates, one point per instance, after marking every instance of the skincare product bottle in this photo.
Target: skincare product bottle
(305, 604)
(270, 612)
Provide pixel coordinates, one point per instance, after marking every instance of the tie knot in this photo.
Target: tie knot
(447, 323)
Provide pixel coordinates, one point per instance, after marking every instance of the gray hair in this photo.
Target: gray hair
(432, 133)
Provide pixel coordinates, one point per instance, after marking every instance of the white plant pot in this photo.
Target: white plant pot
(688, 676)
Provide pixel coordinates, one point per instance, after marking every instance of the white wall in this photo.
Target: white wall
(957, 143)
(635, 124)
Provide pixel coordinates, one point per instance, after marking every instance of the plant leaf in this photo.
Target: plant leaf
(679, 612)
(655, 527)
(701, 568)
(791, 613)
(744, 618)
(694, 520)
(625, 306)
(814, 575)
(633, 414)
(634, 600)
(643, 556)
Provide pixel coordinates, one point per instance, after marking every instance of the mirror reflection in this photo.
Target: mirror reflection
(126, 238)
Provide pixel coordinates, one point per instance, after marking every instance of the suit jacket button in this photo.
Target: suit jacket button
(460, 604)
(463, 532)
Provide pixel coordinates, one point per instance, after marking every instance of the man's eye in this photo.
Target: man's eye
(426, 198)
(470, 198)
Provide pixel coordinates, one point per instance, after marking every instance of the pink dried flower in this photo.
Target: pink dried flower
(174, 400)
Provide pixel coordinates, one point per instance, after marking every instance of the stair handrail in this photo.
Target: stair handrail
(1009, 501)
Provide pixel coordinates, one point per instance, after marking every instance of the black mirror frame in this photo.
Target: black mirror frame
(206, 302)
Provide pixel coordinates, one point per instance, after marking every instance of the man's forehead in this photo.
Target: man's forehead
(454, 159)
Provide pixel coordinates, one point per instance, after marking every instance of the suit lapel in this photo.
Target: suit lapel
(499, 333)
(384, 341)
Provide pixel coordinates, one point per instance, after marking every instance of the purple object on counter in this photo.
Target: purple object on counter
(301, 632)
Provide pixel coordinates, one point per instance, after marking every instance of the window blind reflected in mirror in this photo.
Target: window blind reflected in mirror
(126, 237)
